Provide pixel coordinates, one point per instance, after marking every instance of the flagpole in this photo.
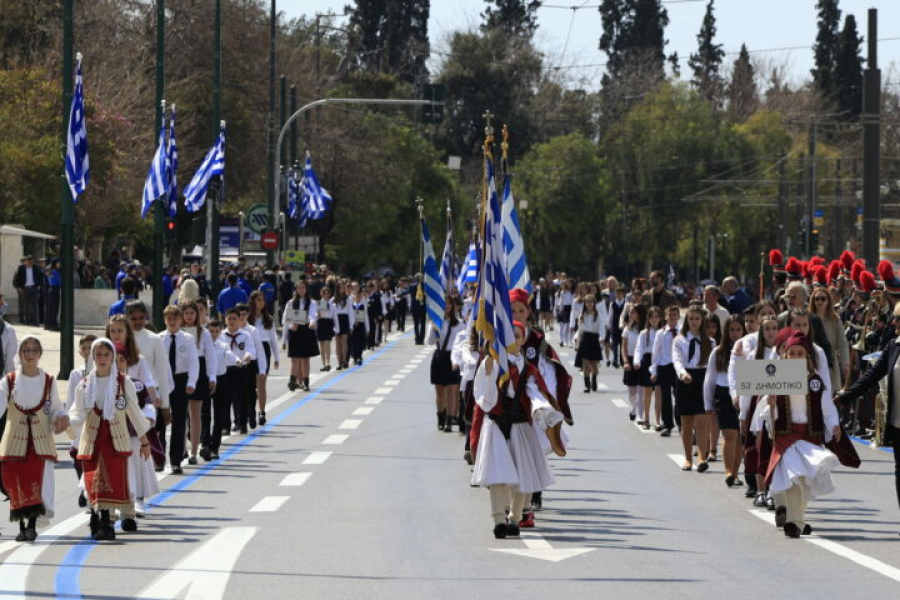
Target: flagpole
(67, 211)
(420, 288)
(159, 210)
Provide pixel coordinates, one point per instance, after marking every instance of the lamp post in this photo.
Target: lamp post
(67, 211)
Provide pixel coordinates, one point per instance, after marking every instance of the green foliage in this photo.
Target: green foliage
(513, 17)
(743, 96)
(848, 71)
(826, 46)
(566, 224)
(708, 58)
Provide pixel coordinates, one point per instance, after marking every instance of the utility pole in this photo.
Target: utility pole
(840, 211)
(811, 193)
(159, 209)
(270, 139)
(213, 201)
(871, 125)
(282, 106)
(782, 203)
(293, 125)
(67, 209)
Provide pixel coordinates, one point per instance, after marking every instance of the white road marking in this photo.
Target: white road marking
(350, 424)
(316, 458)
(538, 547)
(295, 479)
(678, 459)
(641, 428)
(602, 386)
(399, 376)
(204, 573)
(334, 440)
(270, 504)
(859, 558)
(363, 411)
(14, 570)
(374, 399)
(391, 382)
(620, 403)
(406, 370)
(382, 391)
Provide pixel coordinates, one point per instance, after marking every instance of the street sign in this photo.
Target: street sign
(269, 240)
(778, 377)
(294, 259)
(819, 217)
(257, 218)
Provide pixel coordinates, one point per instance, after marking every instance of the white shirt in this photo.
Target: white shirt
(486, 391)
(462, 357)
(205, 351)
(644, 346)
(310, 320)
(29, 392)
(224, 356)
(442, 342)
(151, 348)
(324, 309)
(590, 324)
(257, 343)
(29, 276)
(269, 336)
(662, 348)
(577, 309)
(630, 341)
(681, 353)
(797, 405)
(186, 360)
(358, 313)
(240, 342)
(714, 378)
(10, 349)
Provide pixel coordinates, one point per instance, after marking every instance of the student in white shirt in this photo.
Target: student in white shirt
(216, 415)
(643, 358)
(360, 324)
(690, 355)
(206, 381)
(444, 376)
(240, 342)
(325, 328)
(662, 371)
(181, 350)
(254, 368)
(717, 398)
(264, 323)
(299, 337)
(342, 308)
(590, 326)
(630, 336)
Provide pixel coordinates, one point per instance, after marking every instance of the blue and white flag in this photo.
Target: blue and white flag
(172, 151)
(158, 177)
(448, 261)
(316, 197)
(78, 165)
(469, 272)
(435, 300)
(296, 207)
(494, 320)
(517, 275)
(213, 164)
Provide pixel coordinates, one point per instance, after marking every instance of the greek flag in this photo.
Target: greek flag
(315, 196)
(494, 320)
(469, 272)
(172, 150)
(517, 275)
(158, 178)
(78, 166)
(448, 262)
(213, 164)
(435, 301)
(296, 207)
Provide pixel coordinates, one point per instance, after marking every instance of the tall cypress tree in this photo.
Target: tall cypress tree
(826, 47)
(634, 35)
(742, 91)
(515, 17)
(368, 18)
(393, 37)
(708, 58)
(848, 71)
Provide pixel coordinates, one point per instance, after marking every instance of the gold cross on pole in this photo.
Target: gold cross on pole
(488, 130)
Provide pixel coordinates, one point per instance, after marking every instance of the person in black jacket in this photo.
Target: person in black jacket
(886, 366)
(417, 306)
(28, 281)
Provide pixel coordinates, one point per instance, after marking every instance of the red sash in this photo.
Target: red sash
(106, 472)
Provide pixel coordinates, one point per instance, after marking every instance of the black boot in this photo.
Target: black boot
(21, 536)
(306, 384)
(587, 384)
(107, 532)
(594, 382)
(441, 416)
(292, 383)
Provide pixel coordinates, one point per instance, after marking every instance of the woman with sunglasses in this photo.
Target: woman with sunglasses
(821, 306)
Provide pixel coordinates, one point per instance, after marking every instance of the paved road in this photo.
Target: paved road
(350, 492)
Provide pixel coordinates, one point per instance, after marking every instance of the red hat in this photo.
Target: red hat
(804, 268)
(816, 261)
(783, 334)
(867, 283)
(819, 275)
(797, 338)
(518, 295)
(856, 270)
(794, 268)
(886, 272)
(120, 348)
(834, 271)
(847, 259)
(776, 260)
(518, 325)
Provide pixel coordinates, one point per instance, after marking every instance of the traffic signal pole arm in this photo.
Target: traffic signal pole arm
(287, 125)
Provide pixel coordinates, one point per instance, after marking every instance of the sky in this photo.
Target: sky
(569, 37)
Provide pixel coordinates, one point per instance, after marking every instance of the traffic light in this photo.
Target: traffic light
(814, 241)
(434, 113)
(170, 229)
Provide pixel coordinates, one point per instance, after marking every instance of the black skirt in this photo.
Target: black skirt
(302, 342)
(644, 372)
(267, 350)
(689, 397)
(325, 330)
(343, 324)
(589, 346)
(725, 410)
(442, 372)
(201, 390)
(564, 314)
(630, 377)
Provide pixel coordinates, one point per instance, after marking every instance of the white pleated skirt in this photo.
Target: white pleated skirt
(808, 466)
(142, 482)
(519, 462)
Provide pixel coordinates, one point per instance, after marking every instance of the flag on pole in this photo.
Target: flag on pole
(213, 164)
(469, 271)
(494, 320)
(172, 151)
(448, 261)
(78, 169)
(317, 198)
(517, 275)
(157, 178)
(296, 206)
(435, 300)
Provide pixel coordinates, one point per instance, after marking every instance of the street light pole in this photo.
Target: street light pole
(215, 200)
(67, 211)
(271, 150)
(871, 124)
(159, 210)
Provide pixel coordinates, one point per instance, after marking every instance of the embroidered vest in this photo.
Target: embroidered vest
(815, 425)
(19, 422)
(118, 426)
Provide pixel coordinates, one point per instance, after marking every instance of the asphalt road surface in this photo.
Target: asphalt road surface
(351, 492)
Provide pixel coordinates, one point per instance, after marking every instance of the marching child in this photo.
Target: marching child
(181, 348)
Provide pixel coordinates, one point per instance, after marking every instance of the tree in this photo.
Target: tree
(743, 96)
(848, 71)
(393, 37)
(514, 17)
(826, 47)
(706, 62)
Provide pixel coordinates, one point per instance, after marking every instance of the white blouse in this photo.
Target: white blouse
(29, 392)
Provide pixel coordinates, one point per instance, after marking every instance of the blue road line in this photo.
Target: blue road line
(67, 584)
(868, 443)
